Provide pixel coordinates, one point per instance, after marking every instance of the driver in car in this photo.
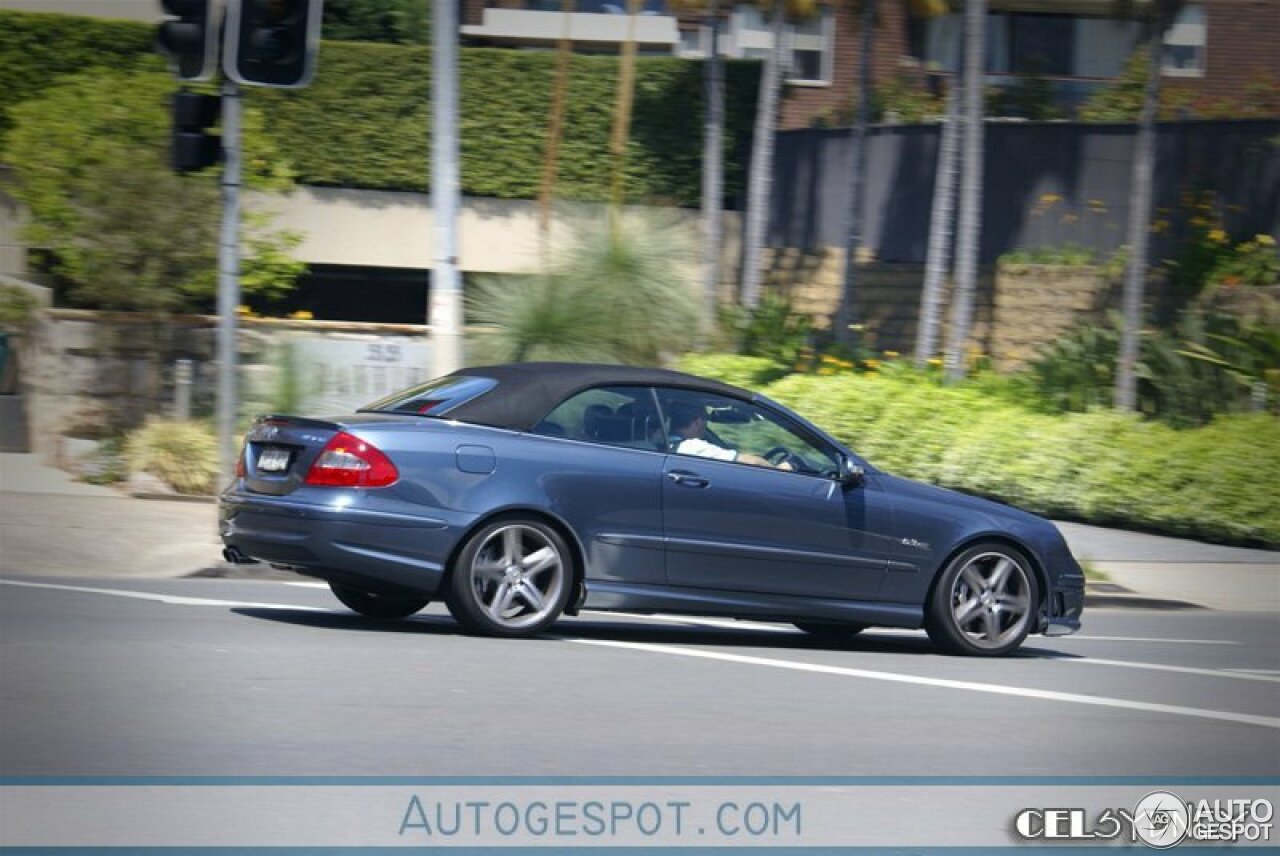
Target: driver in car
(689, 423)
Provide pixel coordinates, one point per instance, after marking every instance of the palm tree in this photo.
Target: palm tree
(941, 223)
(1156, 22)
(712, 171)
(970, 226)
(621, 132)
(760, 171)
(857, 171)
(555, 129)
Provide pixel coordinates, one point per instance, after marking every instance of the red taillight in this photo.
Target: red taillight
(240, 471)
(348, 461)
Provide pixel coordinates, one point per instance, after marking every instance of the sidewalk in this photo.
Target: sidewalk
(53, 525)
(1210, 575)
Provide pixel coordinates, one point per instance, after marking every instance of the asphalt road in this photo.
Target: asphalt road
(248, 678)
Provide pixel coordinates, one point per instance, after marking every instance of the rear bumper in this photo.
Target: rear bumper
(351, 545)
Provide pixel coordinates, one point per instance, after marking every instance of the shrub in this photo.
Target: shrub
(612, 295)
(736, 369)
(184, 455)
(1061, 254)
(17, 306)
(365, 120)
(773, 329)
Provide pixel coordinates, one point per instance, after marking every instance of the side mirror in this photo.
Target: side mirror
(848, 473)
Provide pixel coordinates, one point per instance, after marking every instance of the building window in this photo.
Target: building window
(1184, 44)
(693, 42)
(807, 48)
(810, 50)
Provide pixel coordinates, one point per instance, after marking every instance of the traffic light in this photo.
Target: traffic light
(190, 37)
(272, 42)
(193, 147)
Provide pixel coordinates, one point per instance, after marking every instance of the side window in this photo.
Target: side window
(713, 426)
(614, 415)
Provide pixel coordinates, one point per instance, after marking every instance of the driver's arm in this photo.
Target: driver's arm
(757, 460)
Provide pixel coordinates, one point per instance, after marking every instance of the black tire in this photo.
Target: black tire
(978, 610)
(378, 605)
(512, 578)
(831, 631)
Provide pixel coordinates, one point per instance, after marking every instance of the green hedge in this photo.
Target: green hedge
(364, 122)
(1220, 482)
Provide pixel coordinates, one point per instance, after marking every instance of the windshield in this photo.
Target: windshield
(433, 398)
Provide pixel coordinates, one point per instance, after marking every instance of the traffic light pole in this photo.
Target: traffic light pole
(229, 281)
(445, 316)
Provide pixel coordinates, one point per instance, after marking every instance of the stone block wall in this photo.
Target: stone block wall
(1036, 304)
(886, 296)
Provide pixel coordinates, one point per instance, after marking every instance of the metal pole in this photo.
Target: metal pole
(445, 316)
(182, 390)
(229, 281)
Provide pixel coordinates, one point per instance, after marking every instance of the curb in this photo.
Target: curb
(1114, 596)
(172, 497)
(256, 571)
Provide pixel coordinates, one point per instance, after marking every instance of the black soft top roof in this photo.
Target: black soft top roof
(527, 392)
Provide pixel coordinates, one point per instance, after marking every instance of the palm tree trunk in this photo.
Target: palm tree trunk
(970, 225)
(1144, 163)
(555, 131)
(622, 118)
(941, 223)
(712, 173)
(857, 174)
(760, 177)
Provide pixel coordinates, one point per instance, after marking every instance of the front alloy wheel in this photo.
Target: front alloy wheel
(511, 579)
(984, 602)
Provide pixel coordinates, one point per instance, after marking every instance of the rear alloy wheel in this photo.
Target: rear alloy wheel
(830, 631)
(378, 605)
(984, 602)
(511, 579)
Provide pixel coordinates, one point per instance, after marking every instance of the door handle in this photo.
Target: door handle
(687, 479)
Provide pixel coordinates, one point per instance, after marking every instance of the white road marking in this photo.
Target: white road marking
(1150, 639)
(1267, 675)
(173, 599)
(973, 686)
(1256, 671)
(734, 624)
(1239, 674)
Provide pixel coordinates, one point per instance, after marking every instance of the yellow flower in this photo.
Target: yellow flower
(244, 311)
(871, 364)
(302, 315)
(1217, 236)
(935, 362)
(889, 355)
(1266, 240)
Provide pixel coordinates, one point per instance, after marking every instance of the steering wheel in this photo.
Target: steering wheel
(781, 454)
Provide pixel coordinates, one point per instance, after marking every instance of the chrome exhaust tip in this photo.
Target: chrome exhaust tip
(235, 557)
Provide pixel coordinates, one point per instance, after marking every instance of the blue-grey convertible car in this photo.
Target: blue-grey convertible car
(518, 493)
